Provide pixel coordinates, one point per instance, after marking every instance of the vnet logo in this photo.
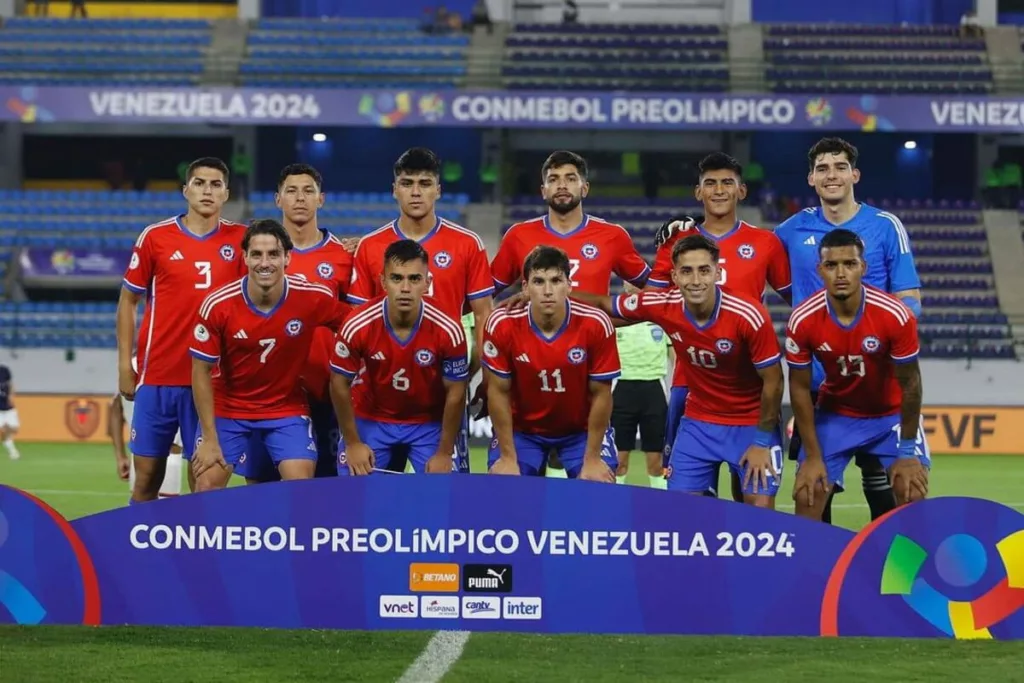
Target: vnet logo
(399, 607)
(480, 608)
(522, 608)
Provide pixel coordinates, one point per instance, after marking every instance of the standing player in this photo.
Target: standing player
(551, 365)
(9, 423)
(750, 259)
(317, 256)
(889, 267)
(732, 362)
(639, 396)
(460, 276)
(175, 264)
(413, 367)
(596, 248)
(870, 400)
(121, 410)
(258, 331)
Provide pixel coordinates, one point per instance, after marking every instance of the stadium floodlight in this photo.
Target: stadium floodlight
(910, 144)
(319, 137)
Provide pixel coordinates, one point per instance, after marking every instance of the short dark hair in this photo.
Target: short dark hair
(207, 162)
(418, 160)
(564, 158)
(267, 226)
(546, 258)
(300, 169)
(404, 251)
(720, 161)
(695, 243)
(832, 146)
(841, 237)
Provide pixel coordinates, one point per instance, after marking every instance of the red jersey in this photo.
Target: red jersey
(551, 376)
(458, 266)
(722, 357)
(596, 249)
(260, 355)
(859, 359)
(176, 269)
(750, 259)
(401, 381)
(327, 263)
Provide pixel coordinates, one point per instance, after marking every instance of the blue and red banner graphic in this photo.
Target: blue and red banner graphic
(513, 109)
(508, 554)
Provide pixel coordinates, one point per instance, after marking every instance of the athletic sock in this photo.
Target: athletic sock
(658, 482)
(878, 493)
(12, 450)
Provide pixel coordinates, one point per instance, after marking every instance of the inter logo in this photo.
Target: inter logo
(487, 578)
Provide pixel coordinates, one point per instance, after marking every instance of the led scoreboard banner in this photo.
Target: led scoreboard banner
(486, 553)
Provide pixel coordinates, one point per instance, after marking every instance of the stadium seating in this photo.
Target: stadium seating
(875, 59)
(38, 51)
(616, 57)
(352, 54)
(961, 311)
(113, 220)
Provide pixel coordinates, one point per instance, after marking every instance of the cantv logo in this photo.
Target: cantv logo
(481, 608)
(399, 607)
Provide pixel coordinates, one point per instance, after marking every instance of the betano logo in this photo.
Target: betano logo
(961, 561)
(426, 577)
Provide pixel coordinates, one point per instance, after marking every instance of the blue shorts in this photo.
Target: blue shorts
(259, 466)
(701, 446)
(159, 413)
(842, 438)
(285, 438)
(393, 444)
(676, 408)
(532, 452)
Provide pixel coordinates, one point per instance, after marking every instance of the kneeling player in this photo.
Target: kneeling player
(259, 331)
(866, 340)
(551, 365)
(409, 399)
(732, 362)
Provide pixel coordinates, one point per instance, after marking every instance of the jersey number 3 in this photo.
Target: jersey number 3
(205, 274)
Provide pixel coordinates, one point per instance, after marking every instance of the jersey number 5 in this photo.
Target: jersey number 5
(851, 366)
(205, 273)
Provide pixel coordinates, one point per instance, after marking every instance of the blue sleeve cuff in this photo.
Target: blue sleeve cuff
(914, 304)
(763, 439)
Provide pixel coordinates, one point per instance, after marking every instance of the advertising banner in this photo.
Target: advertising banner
(513, 109)
(55, 418)
(41, 266)
(491, 553)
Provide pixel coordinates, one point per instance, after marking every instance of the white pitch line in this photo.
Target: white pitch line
(437, 658)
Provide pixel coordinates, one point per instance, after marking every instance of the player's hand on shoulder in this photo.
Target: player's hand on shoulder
(909, 480)
(350, 244)
(505, 466)
(126, 379)
(757, 467)
(208, 455)
(596, 470)
(514, 302)
(672, 226)
(360, 458)
(811, 482)
(439, 463)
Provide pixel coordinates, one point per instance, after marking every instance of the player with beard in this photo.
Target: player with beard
(596, 248)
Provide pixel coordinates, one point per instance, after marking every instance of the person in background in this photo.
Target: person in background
(9, 423)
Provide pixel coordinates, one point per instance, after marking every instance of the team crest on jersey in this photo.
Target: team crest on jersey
(341, 350)
(745, 251)
(657, 334)
(442, 259)
(293, 328)
(576, 355)
(792, 346)
(134, 263)
(723, 345)
(424, 357)
(632, 302)
(490, 350)
(870, 344)
(227, 252)
(589, 251)
(201, 333)
(325, 270)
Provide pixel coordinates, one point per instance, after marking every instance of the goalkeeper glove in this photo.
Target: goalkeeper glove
(671, 227)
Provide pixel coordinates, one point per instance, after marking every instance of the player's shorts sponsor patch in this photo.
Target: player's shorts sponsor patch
(134, 263)
(490, 350)
(577, 355)
(723, 345)
(870, 344)
(589, 251)
(293, 327)
(227, 252)
(632, 302)
(341, 350)
(325, 270)
(442, 259)
(424, 357)
(792, 346)
(201, 333)
(745, 251)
